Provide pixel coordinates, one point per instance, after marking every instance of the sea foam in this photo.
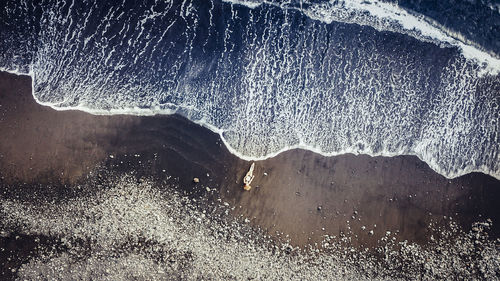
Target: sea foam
(204, 123)
(269, 78)
(385, 16)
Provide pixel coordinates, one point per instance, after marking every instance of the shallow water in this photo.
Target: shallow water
(351, 76)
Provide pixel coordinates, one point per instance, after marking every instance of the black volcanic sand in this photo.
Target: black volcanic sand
(298, 194)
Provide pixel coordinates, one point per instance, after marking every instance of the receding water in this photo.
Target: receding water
(332, 77)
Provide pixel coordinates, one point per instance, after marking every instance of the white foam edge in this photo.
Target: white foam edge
(489, 65)
(249, 4)
(203, 123)
(432, 164)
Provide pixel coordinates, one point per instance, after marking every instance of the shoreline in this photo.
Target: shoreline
(138, 112)
(298, 195)
(63, 146)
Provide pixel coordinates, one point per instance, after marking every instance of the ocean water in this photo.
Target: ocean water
(373, 77)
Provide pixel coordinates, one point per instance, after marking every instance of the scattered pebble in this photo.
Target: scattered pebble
(189, 240)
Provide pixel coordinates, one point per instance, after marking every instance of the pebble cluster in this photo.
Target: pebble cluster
(127, 228)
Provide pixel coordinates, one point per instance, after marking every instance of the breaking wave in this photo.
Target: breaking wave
(329, 76)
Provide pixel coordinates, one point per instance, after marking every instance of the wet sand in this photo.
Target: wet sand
(307, 196)
(298, 194)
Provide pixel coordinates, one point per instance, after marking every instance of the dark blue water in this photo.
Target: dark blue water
(333, 77)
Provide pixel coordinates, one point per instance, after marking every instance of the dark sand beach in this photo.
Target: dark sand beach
(297, 195)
